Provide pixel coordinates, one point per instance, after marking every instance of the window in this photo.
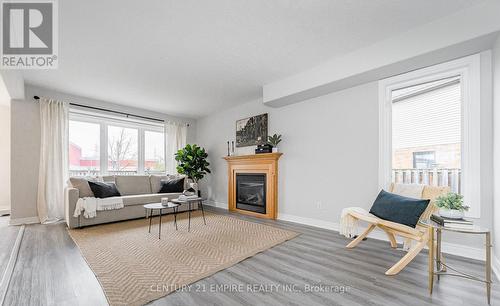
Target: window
(84, 153)
(122, 150)
(426, 133)
(106, 145)
(154, 161)
(424, 160)
(429, 128)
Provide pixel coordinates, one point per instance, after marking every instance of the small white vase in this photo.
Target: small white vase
(275, 149)
(451, 213)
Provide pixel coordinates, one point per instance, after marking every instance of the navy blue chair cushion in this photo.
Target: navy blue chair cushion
(399, 209)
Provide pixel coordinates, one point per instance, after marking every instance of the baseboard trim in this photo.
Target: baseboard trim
(215, 204)
(7, 275)
(309, 221)
(21, 221)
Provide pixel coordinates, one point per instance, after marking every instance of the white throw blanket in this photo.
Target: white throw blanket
(409, 190)
(348, 224)
(89, 206)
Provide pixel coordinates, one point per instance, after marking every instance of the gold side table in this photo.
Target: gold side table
(435, 230)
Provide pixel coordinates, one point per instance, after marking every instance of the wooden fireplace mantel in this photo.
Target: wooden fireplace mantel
(266, 163)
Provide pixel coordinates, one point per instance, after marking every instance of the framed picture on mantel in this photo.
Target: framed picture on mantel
(251, 131)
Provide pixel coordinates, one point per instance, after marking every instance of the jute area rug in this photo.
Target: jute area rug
(134, 267)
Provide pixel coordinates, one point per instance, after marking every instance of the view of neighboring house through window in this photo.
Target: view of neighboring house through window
(99, 145)
(426, 133)
(84, 153)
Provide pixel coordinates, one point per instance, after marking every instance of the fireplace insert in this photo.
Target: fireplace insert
(251, 192)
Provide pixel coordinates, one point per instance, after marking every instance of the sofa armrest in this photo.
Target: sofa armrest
(71, 197)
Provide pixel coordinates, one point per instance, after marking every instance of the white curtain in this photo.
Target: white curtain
(175, 139)
(53, 169)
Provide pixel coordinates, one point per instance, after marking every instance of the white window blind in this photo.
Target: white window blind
(427, 115)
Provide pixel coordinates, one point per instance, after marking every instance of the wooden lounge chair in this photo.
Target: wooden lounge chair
(418, 237)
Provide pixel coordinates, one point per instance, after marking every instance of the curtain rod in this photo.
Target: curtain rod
(111, 111)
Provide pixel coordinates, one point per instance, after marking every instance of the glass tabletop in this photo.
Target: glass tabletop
(160, 205)
(186, 200)
(474, 229)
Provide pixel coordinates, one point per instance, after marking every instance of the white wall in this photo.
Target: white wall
(5, 156)
(330, 161)
(330, 147)
(496, 134)
(25, 147)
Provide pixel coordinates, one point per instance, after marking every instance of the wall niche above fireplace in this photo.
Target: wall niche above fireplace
(253, 184)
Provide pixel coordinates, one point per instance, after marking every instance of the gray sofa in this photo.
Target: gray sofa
(135, 191)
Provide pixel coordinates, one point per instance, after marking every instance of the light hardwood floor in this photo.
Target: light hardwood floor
(51, 271)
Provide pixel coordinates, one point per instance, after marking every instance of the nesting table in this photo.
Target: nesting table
(189, 202)
(150, 208)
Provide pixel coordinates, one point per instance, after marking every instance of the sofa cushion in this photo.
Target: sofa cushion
(104, 190)
(156, 181)
(82, 184)
(133, 184)
(108, 178)
(172, 185)
(399, 209)
(141, 199)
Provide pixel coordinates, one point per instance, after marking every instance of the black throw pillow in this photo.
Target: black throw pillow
(104, 190)
(170, 186)
(399, 209)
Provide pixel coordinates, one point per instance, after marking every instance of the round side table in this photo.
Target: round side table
(441, 267)
(150, 208)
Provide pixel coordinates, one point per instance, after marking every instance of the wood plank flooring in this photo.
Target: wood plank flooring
(8, 236)
(312, 269)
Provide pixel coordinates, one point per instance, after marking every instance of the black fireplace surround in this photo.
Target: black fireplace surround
(251, 192)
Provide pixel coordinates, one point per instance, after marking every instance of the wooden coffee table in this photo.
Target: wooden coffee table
(150, 208)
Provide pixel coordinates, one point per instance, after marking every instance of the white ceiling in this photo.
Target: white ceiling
(193, 58)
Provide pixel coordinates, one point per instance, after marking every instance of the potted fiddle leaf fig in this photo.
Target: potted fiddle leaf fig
(192, 162)
(451, 205)
(274, 141)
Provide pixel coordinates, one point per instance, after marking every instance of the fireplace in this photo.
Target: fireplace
(251, 192)
(253, 184)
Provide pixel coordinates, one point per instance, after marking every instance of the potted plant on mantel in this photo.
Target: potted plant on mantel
(451, 205)
(192, 162)
(274, 141)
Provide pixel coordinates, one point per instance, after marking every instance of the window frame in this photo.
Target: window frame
(468, 69)
(106, 121)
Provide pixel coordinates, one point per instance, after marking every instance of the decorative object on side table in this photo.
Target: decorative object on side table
(251, 131)
(274, 141)
(453, 223)
(192, 162)
(451, 205)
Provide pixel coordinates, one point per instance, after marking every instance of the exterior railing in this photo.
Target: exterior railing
(435, 177)
(94, 173)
